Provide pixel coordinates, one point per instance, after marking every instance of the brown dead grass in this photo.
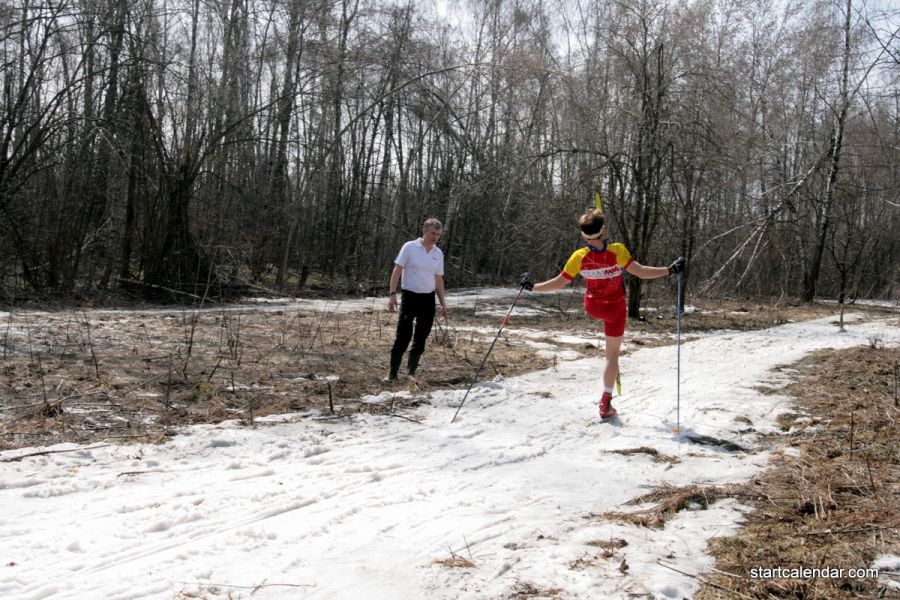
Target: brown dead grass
(139, 375)
(657, 457)
(525, 590)
(831, 497)
(836, 503)
(610, 544)
(603, 556)
(669, 501)
(455, 562)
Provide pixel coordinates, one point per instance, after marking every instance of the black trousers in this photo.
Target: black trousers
(418, 308)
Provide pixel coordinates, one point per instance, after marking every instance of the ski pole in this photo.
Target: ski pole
(678, 357)
(484, 360)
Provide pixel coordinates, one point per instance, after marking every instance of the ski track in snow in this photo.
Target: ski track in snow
(336, 509)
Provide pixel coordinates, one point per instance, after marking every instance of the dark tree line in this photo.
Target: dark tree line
(203, 148)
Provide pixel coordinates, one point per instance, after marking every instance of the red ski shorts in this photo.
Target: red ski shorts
(612, 313)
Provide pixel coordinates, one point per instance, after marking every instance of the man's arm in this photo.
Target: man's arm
(439, 288)
(395, 280)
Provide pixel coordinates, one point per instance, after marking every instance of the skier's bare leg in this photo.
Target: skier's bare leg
(611, 368)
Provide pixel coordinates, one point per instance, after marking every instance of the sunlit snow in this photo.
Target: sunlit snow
(379, 507)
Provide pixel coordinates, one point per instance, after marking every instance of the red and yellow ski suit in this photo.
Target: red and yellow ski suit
(603, 274)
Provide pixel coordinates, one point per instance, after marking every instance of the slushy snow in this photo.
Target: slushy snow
(379, 507)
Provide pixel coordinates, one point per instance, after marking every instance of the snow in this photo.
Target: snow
(306, 506)
(888, 566)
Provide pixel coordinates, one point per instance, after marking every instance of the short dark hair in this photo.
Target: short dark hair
(432, 223)
(592, 221)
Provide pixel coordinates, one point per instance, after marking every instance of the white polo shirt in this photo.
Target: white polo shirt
(419, 266)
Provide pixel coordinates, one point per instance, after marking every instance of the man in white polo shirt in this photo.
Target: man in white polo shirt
(419, 268)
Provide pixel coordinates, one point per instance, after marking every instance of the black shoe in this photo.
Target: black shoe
(396, 359)
(412, 364)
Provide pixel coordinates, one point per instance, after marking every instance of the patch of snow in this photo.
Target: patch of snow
(373, 506)
(888, 567)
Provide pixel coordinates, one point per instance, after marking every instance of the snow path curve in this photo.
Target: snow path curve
(375, 507)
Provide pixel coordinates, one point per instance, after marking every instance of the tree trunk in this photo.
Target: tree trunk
(834, 154)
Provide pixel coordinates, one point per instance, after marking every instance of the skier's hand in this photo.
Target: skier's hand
(526, 280)
(392, 302)
(678, 265)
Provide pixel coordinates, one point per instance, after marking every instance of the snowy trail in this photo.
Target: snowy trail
(321, 509)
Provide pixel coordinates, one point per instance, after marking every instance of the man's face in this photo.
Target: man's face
(431, 236)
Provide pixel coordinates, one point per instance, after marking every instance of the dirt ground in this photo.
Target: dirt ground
(76, 375)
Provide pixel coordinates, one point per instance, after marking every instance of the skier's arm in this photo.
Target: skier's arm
(556, 283)
(639, 270)
(645, 272)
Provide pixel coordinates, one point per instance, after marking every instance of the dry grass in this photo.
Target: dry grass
(603, 558)
(657, 457)
(609, 545)
(669, 501)
(85, 377)
(833, 500)
(524, 590)
(829, 501)
(139, 375)
(455, 562)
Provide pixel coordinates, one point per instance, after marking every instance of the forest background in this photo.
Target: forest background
(188, 149)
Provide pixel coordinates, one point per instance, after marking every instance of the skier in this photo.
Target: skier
(419, 268)
(601, 265)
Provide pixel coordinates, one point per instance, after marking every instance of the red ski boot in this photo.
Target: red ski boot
(606, 409)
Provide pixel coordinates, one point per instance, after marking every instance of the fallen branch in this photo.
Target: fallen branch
(407, 418)
(705, 581)
(126, 437)
(859, 530)
(45, 452)
(158, 287)
(59, 401)
(705, 440)
(335, 417)
(247, 587)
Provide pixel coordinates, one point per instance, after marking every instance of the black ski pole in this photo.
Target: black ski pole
(678, 357)
(484, 360)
